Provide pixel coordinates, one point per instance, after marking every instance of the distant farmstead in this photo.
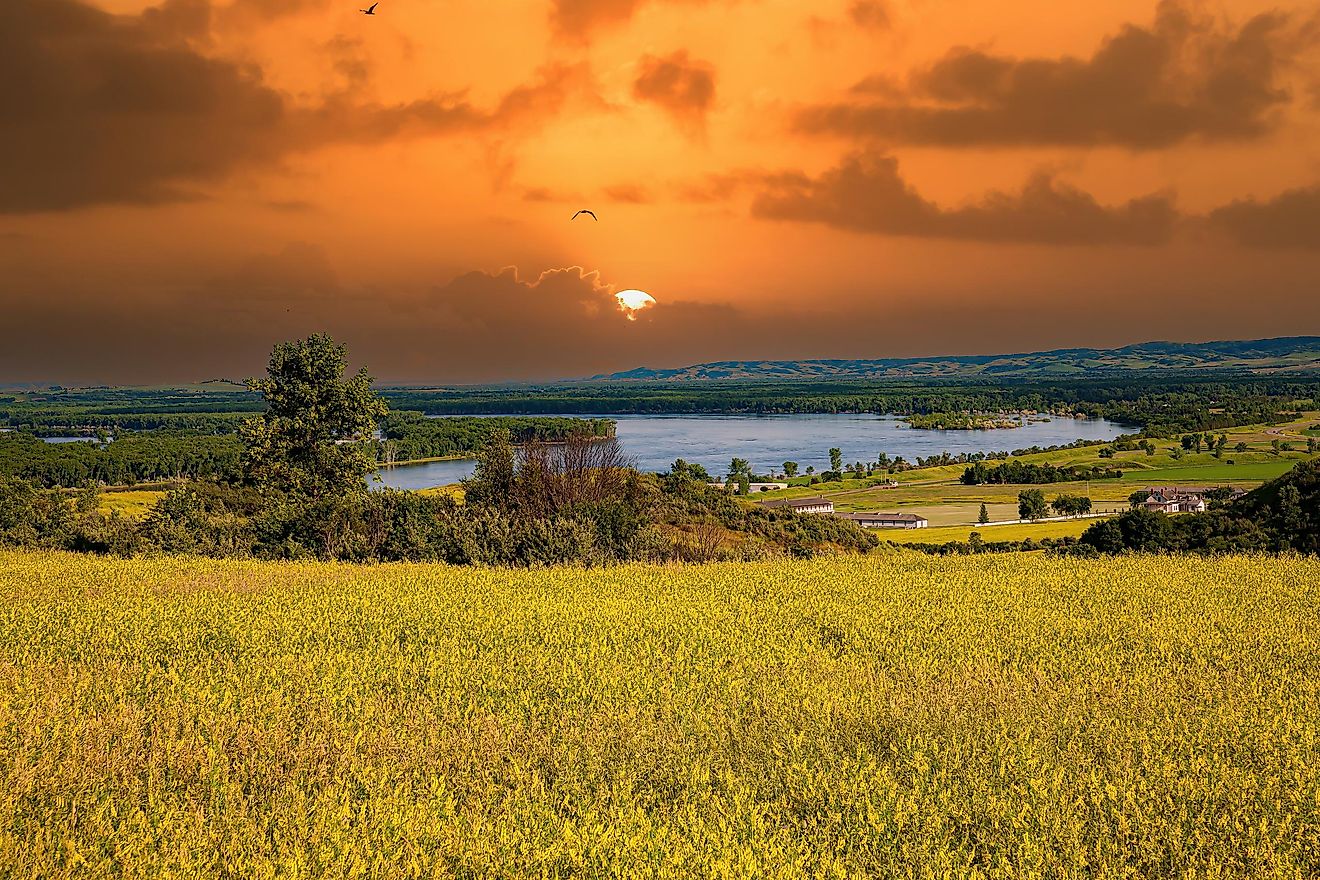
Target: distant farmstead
(886, 520)
(1175, 499)
(802, 505)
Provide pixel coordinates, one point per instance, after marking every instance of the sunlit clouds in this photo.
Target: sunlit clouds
(849, 178)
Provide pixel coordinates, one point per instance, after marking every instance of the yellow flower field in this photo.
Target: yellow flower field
(892, 716)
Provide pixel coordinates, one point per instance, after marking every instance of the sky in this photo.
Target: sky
(184, 184)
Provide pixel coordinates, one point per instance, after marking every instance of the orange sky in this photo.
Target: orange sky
(182, 184)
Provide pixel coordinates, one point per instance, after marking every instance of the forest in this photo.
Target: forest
(1158, 407)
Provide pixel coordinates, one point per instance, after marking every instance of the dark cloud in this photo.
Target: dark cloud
(628, 193)
(869, 14)
(490, 326)
(1290, 220)
(580, 17)
(347, 54)
(681, 86)
(1184, 77)
(106, 108)
(867, 194)
(567, 318)
(563, 322)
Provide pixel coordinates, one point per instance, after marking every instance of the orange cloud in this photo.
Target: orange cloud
(116, 108)
(1146, 87)
(681, 86)
(1289, 220)
(866, 193)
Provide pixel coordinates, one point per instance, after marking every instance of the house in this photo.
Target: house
(886, 520)
(802, 505)
(1179, 499)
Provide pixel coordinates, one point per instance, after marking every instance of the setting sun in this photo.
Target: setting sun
(632, 301)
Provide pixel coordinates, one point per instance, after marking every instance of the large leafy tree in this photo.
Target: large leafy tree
(1032, 505)
(311, 441)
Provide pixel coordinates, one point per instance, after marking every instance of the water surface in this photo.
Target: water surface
(768, 441)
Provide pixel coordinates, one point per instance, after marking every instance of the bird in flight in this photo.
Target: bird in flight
(591, 214)
(371, 10)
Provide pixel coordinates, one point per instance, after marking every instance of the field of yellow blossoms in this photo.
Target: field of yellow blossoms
(892, 716)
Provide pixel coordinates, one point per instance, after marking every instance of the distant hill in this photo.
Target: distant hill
(1289, 355)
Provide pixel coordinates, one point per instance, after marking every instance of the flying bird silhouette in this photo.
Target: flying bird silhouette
(371, 10)
(592, 214)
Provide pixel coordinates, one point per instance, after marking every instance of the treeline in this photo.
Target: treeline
(153, 456)
(1283, 515)
(410, 435)
(218, 410)
(1024, 473)
(976, 544)
(107, 425)
(132, 458)
(1162, 408)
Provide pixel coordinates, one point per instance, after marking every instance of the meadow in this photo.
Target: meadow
(896, 715)
(1071, 528)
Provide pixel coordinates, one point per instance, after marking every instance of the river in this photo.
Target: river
(768, 441)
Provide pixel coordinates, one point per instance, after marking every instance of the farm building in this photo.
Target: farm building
(886, 520)
(1179, 499)
(802, 505)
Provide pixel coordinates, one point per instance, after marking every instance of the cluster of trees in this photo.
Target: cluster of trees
(962, 421)
(145, 457)
(158, 456)
(976, 543)
(1025, 473)
(1282, 515)
(1033, 506)
(410, 435)
(218, 409)
(300, 492)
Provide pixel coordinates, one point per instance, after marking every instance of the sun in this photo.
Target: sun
(633, 301)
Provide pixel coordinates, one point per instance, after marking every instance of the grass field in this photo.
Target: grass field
(134, 504)
(937, 494)
(1212, 474)
(1015, 532)
(891, 716)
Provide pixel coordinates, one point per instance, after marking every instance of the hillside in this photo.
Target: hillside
(895, 716)
(1290, 355)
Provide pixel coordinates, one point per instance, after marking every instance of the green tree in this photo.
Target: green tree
(1071, 505)
(1032, 505)
(1291, 517)
(836, 459)
(89, 498)
(311, 439)
(492, 485)
(984, 516)
(790, 469)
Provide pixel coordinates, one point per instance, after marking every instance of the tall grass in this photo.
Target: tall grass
(895, 716)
